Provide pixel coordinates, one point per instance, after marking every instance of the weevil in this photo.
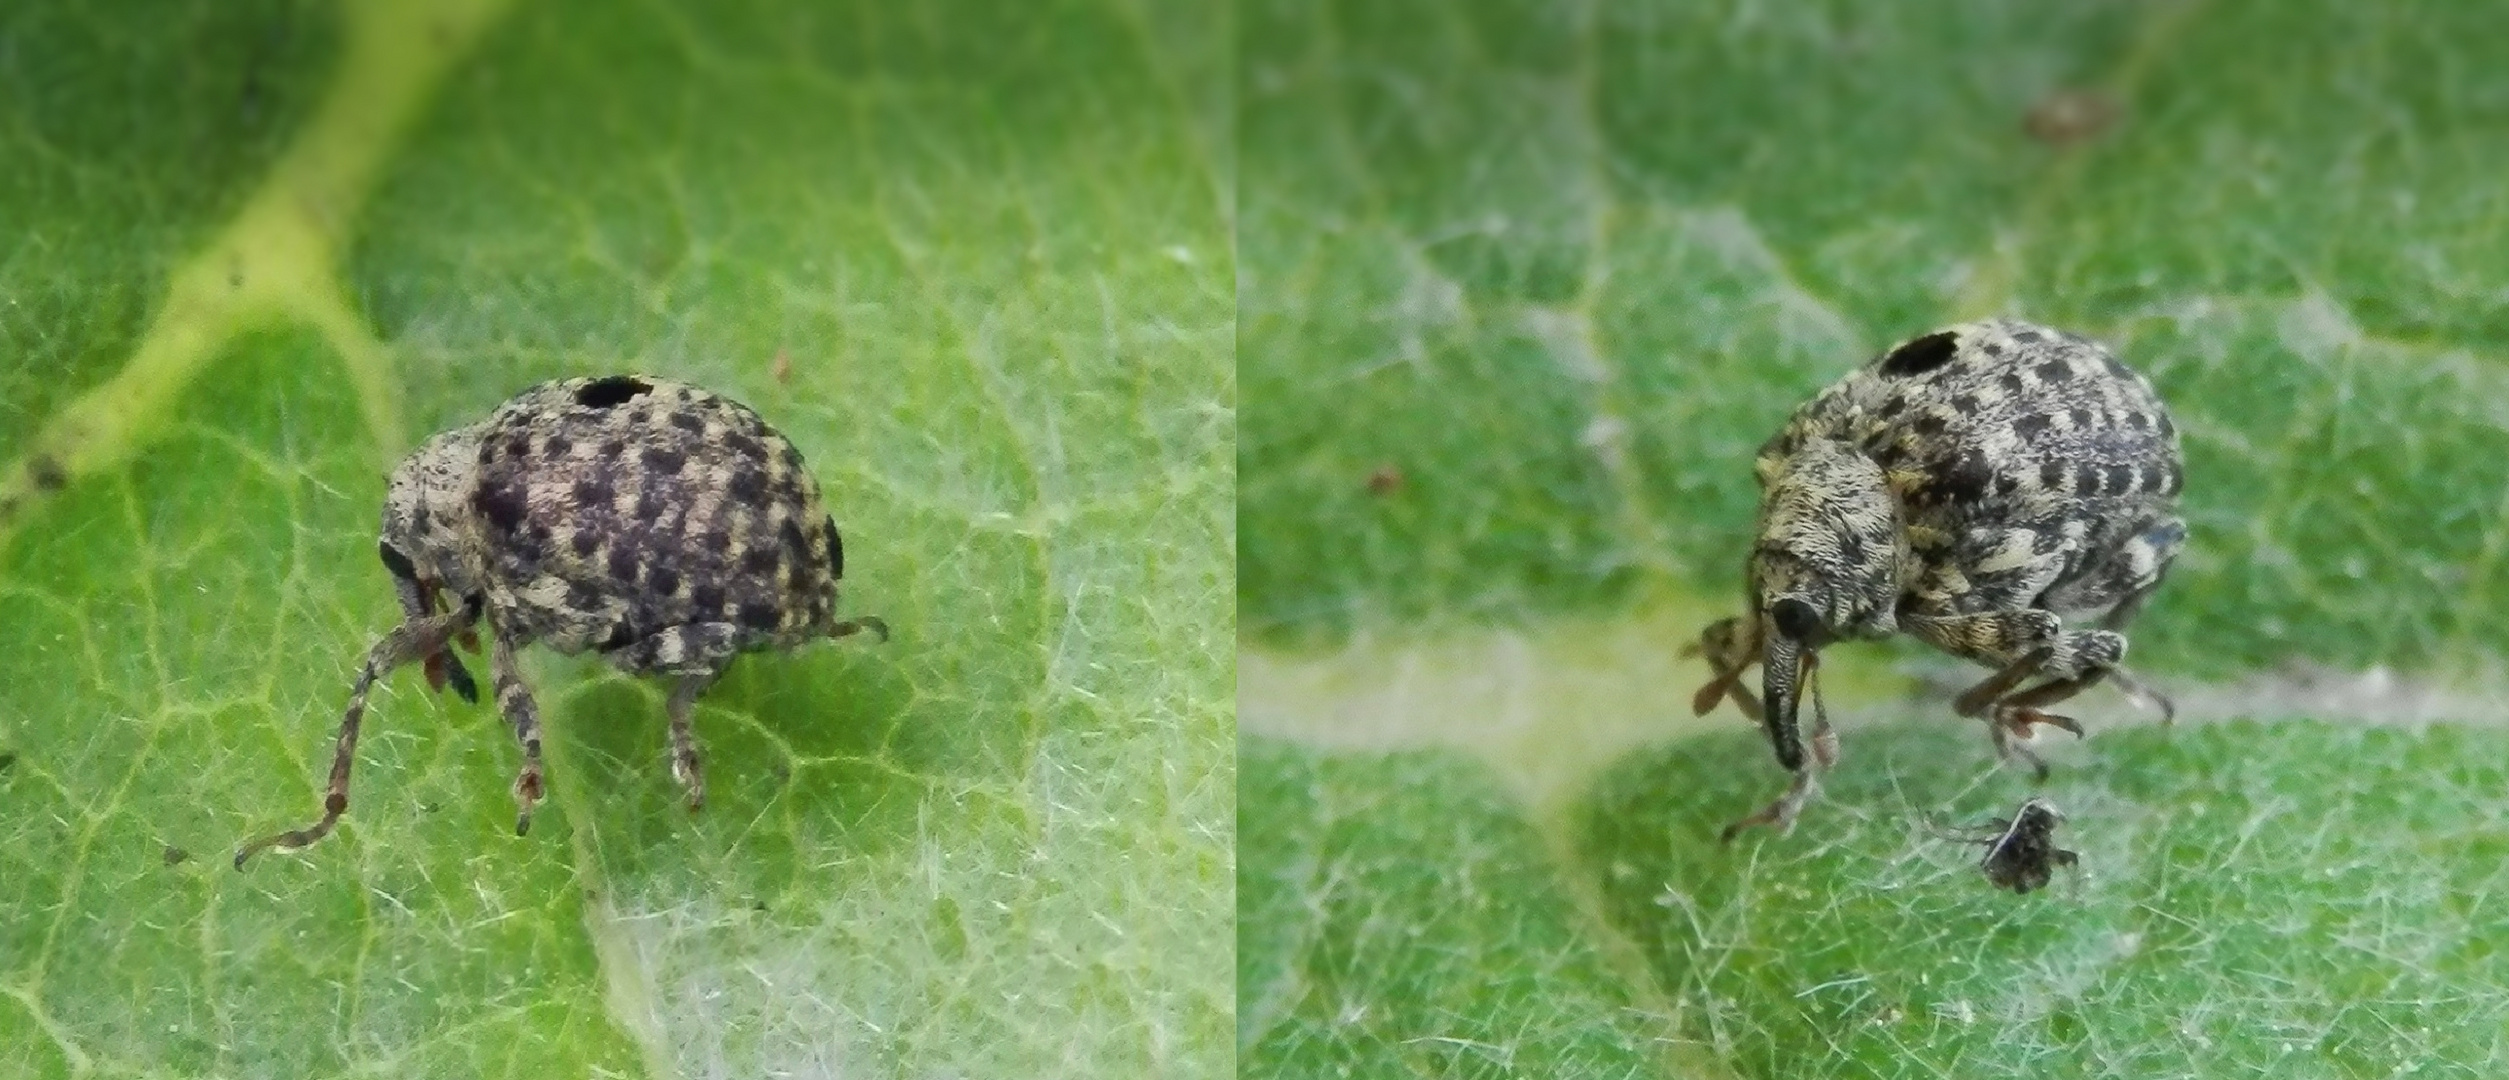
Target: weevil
(664, 527)
(1986, 488)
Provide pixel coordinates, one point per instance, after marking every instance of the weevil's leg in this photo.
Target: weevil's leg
(858, 624)
(2024, 645)
(1781, 813)
(683, 707)
(515, 702)
(418, 601)
(1824, 746)
(697, 653)
(412, 640)
(2138, 690)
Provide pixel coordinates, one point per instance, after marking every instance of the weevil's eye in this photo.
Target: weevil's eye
(1795, 619)
(396, 562)
(604, 393)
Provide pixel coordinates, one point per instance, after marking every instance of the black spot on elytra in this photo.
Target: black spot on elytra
(2027, 336)
(2053, 371)
(501, 504)
(836, 551)
(396, 562)
(592, 492)
(2086, 480)
(612, 448)
(1892, 407)
(1965, 404)
(759, 561)
(745, 447)
(663, 462)
(557, 446)
(2139, 421)
(1929, 425)
(582, 597)
(2168, 430)
(648, 508)
(2052, 476)
(517, 446)
(2082, 419)
(2120, 480)
(1966, 480)
(2116, 367)
(612, 391)
(789, 456)
(748, 486)
(1922, 355)
(620, 637)
(46, 473)
(621, 563)
(2012, 384)
(706, 602)
(758, 616)
(2030, 427)
(585, 543)
(790, 535)
(688, 421)
(666, 581)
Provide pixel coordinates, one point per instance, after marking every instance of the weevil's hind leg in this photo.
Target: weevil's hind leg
(697, 653)
(414, 639)
(859, 624)
(523, 714)
(2143, 693)
(683, 708)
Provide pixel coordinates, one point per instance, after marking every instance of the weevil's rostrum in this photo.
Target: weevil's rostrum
(665, 527)
(1983, 488)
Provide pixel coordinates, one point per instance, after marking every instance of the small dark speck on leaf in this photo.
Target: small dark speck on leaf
(8, 758)
(1386, 480)
(175, 855)
(46, 473)
(2069, 117)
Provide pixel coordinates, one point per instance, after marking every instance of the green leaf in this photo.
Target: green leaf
(983, 281)
(1524, 286)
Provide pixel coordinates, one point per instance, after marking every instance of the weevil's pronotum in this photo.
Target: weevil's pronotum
(667, 528)
(1982, 488)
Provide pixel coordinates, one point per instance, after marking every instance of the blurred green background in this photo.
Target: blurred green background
(1522, 287)
(973, 258)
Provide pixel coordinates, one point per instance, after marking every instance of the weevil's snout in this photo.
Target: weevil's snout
(1794, 631)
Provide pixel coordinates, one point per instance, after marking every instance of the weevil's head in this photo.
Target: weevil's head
(430, 539)
(1825, 567)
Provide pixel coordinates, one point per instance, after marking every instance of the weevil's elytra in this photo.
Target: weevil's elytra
(1981, 487)
(664, 527)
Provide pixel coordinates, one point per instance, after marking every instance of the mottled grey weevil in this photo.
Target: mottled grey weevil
(1976, 488)
(667, 528)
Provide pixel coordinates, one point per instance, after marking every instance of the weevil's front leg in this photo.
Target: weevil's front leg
(515, 702)
(1824, 746)
(412, 640)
